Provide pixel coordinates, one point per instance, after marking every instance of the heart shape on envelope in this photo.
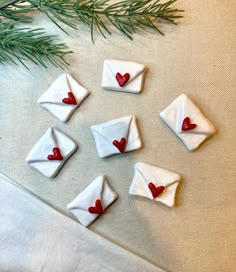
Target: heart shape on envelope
(51, 152)
(124, 76)
(70, 100)
(120, 145)
(187, 125)
(97, 208)
(63, 97)
(92, 201)
(163, 183)
(116, 136)
(183, 113)
(156, 190)
(122, 79)
(56, 156)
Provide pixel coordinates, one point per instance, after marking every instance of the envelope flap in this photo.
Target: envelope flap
(79, 92)
(88, 197)
(58, 90)
(64, 142)
(158, 176)
(139, 185)
(187, 109)
(43, 147)
(123, 67)
(115, 129)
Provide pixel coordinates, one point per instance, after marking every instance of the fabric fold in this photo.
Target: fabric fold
(37, 238)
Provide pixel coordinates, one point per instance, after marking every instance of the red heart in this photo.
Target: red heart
(97, 208)
(186, 125)
(70, 100)
(156, 191)
(120, 145)
(56, 155)
(122, 79)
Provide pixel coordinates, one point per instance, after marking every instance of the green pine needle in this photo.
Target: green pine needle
(127, 16)
(16, 10)
(19, 45)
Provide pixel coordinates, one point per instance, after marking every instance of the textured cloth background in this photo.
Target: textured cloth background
(35, 237)
(198, 58)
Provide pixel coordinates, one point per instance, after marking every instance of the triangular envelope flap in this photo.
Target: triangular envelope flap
(123, 67)
(108, 195)
(115, 129)
(64, 142)
(88, 197)
(43, 147)
(57, 91)
(139, 185)
(186, 108)
(156, 175)
(79, 92)
(168, 196)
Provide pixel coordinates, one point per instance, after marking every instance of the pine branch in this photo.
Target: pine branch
(19, 45)
(127, 16)
(16, 10)
(4, 4)
(58, 11)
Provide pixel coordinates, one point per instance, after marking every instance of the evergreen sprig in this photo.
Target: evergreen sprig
(16, 10)
(19, 45)
(127, 16)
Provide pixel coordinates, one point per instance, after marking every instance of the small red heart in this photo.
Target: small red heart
(70, 100)
(186, 125)
(120, 145)
(56, 155)
(156, 191)
(122, 79)
(97, 208)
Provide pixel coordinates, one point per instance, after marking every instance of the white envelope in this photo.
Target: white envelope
(98, 190)
(134, 70)
(175, 115)
(42, 156)
(66, 89)
(121, 132)
(158, 177)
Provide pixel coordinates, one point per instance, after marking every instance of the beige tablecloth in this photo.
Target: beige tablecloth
(34, 237)
(198, 58)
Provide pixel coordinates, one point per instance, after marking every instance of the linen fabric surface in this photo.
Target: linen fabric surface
(35, 237)
(197, 58)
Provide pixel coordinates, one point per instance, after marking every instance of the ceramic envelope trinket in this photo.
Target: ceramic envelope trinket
(51, 151)
(116, 136)
(63, 97)
(155, 183)
(93, 201)
(187, 122)
(123, 76)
